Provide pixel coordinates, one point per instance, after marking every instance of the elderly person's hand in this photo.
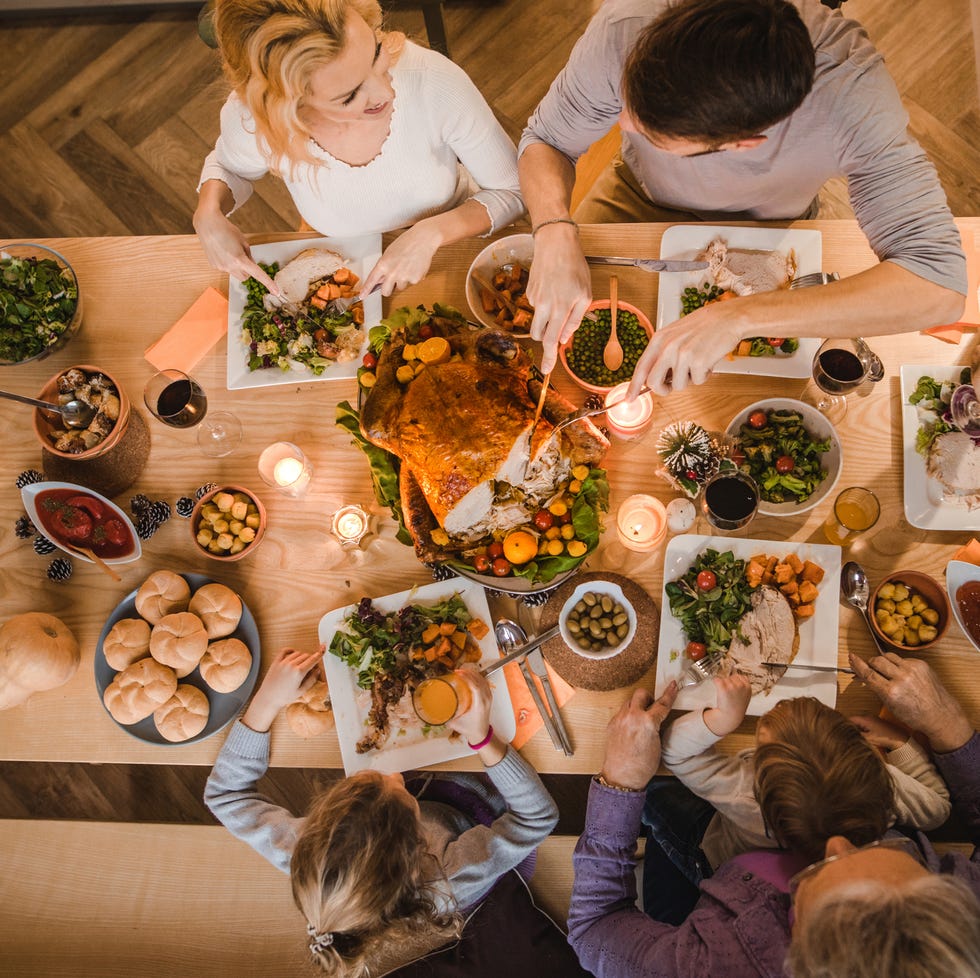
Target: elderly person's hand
(915, 696)
(559, 287)
(633, 739)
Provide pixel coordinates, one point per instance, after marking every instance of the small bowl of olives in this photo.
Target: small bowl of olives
(909, 611)
(597, 621)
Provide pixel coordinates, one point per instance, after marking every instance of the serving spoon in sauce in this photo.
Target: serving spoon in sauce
(75, 414)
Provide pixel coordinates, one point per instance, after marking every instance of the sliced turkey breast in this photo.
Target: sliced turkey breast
(745, 271)
(296, 277)
(770, 634)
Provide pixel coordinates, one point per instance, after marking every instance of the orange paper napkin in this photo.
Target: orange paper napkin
(950, 333)
(529, 721)
(969, 552)
(190, 338)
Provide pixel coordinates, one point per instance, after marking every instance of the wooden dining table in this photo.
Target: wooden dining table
(135, 288)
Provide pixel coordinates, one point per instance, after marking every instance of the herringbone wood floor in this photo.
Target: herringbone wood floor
(104, 122)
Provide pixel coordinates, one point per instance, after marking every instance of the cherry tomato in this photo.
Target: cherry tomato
(481, 563)
(758, 419)
(776, 340)
(370, 360)
(565, 517)
(425, 331)
(738, 457)
(785, 464)
(691, 474)
(501, 567)
(543, 520)
(696, 650)
(706, 580)
(495, 550)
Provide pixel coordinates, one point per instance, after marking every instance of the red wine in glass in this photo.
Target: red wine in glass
(730, 500)
(181, 404)
(838, 371)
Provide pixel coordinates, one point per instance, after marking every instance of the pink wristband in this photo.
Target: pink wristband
(486, 740)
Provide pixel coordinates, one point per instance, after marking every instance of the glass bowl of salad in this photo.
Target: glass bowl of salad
(40, 303)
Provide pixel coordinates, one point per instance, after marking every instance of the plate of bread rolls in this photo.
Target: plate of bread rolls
(177, 659)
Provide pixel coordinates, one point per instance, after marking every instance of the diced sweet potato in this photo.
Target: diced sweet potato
(795, 563)
(790, 587)
(318, 302)
(812, 572)
(783, 573)
(808, 592)
(478, 628)
(804, 611)
(447, 628)
(341, 275)
(430, 633)
(442, 646)
(458, 638)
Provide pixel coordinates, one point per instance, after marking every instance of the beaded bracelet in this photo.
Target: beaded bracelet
(483, 743)
(615, 787)
(553, 220)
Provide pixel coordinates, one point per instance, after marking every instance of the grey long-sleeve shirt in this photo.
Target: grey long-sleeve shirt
(852, 124)
(473, 857)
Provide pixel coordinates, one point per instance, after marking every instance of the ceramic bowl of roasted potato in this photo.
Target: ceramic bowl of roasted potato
(228, 523)
(909, 611)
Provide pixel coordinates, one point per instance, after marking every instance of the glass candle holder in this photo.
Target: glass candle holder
(641, 522)
(350, 525)
(628, 419)
(285, 467)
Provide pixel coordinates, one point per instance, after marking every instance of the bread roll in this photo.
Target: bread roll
(218, 607)
(162, 593)
(128, 641)
(311, 714)
(226, 664)
(184, 715)
(179, 641)
(138, 690)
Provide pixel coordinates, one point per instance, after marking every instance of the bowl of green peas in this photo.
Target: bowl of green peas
(581, 356)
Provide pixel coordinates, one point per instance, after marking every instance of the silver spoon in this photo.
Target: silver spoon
(75, 414)
(856, 591)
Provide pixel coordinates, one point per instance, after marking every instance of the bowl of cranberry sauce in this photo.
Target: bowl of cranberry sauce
(73, 517)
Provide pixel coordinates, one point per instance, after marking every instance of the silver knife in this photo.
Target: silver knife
(522, 650)
(535, 661)
(546, 718)
(649, 264)
(808, 666)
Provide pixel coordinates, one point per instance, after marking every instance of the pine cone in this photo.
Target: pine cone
(24, 528)
(59, 569)
(145, 527)
(28, 478)
(205, 489)
(537, 599)
(159, 512)
(43, 546)
(139, 504)
(440, 572)
(185, 506)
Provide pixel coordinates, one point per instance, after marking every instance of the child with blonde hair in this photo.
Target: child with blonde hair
(381, 877)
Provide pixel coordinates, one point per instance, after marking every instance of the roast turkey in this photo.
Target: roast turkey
(463, 432)
(745, 271)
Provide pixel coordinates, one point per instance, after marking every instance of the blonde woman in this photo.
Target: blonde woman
(368, 131)
(380, 877)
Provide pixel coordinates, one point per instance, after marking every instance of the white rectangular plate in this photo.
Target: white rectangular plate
(687, 241)
(351, 719)
(361, 253)
(925, 506)
(681, 553)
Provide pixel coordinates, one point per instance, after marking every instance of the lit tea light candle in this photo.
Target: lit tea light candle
(350, 524)
(285, 467)
(628, 419)
(641, 522)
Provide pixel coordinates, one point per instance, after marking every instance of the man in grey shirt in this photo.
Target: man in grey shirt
(737, 110)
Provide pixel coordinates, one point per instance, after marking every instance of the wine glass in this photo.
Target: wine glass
(964, 408)
(730, 499)
(178, 400)
(840, 367)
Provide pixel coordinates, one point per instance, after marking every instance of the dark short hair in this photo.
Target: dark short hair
(719, 70)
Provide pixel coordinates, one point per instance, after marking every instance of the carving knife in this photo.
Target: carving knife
(649, 264)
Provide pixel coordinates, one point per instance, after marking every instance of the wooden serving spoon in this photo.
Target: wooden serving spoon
(96, 559)
(612, 354)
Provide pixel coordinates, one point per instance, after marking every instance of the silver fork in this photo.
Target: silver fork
(814, 278)
(588, 413)
(702, 670)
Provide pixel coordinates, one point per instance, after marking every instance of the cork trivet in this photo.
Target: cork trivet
(111, 473)
(604, 674)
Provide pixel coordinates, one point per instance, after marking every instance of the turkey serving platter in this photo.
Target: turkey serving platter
(671, 662)
(687, 241)
(361, 255)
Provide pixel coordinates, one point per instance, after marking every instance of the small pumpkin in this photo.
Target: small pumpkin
(37, 652)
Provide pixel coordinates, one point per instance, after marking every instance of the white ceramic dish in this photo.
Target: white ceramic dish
(687, 241)
(420, 752)
(361, 254)
(818, 426)
(958, 573)
(224, 706)
(515, 247)
(599, 587)
(925, 505)
(681, 553)
(29, 496)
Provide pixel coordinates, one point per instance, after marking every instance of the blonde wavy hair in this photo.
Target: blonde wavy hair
(364, 878)
(271, 48)
(818, 777)
(928, 927)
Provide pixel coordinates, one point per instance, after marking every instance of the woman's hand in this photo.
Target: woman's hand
(880, 733)
(406, 260)
(475, 722)
(290, 674)
(732, 700)
(633, 739)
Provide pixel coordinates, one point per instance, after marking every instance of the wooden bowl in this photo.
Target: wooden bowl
(931, 592)
(565, 347)
(196, 519)
(44, 421)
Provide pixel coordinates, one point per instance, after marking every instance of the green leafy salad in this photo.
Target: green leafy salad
(781, 455)
(38, 299)
(376, 644)
(931, 399)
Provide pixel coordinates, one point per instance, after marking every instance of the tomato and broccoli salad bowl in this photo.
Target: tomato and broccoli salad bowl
(791, 450)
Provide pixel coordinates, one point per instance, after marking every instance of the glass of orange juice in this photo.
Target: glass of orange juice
(854, 512)
(439, 699)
